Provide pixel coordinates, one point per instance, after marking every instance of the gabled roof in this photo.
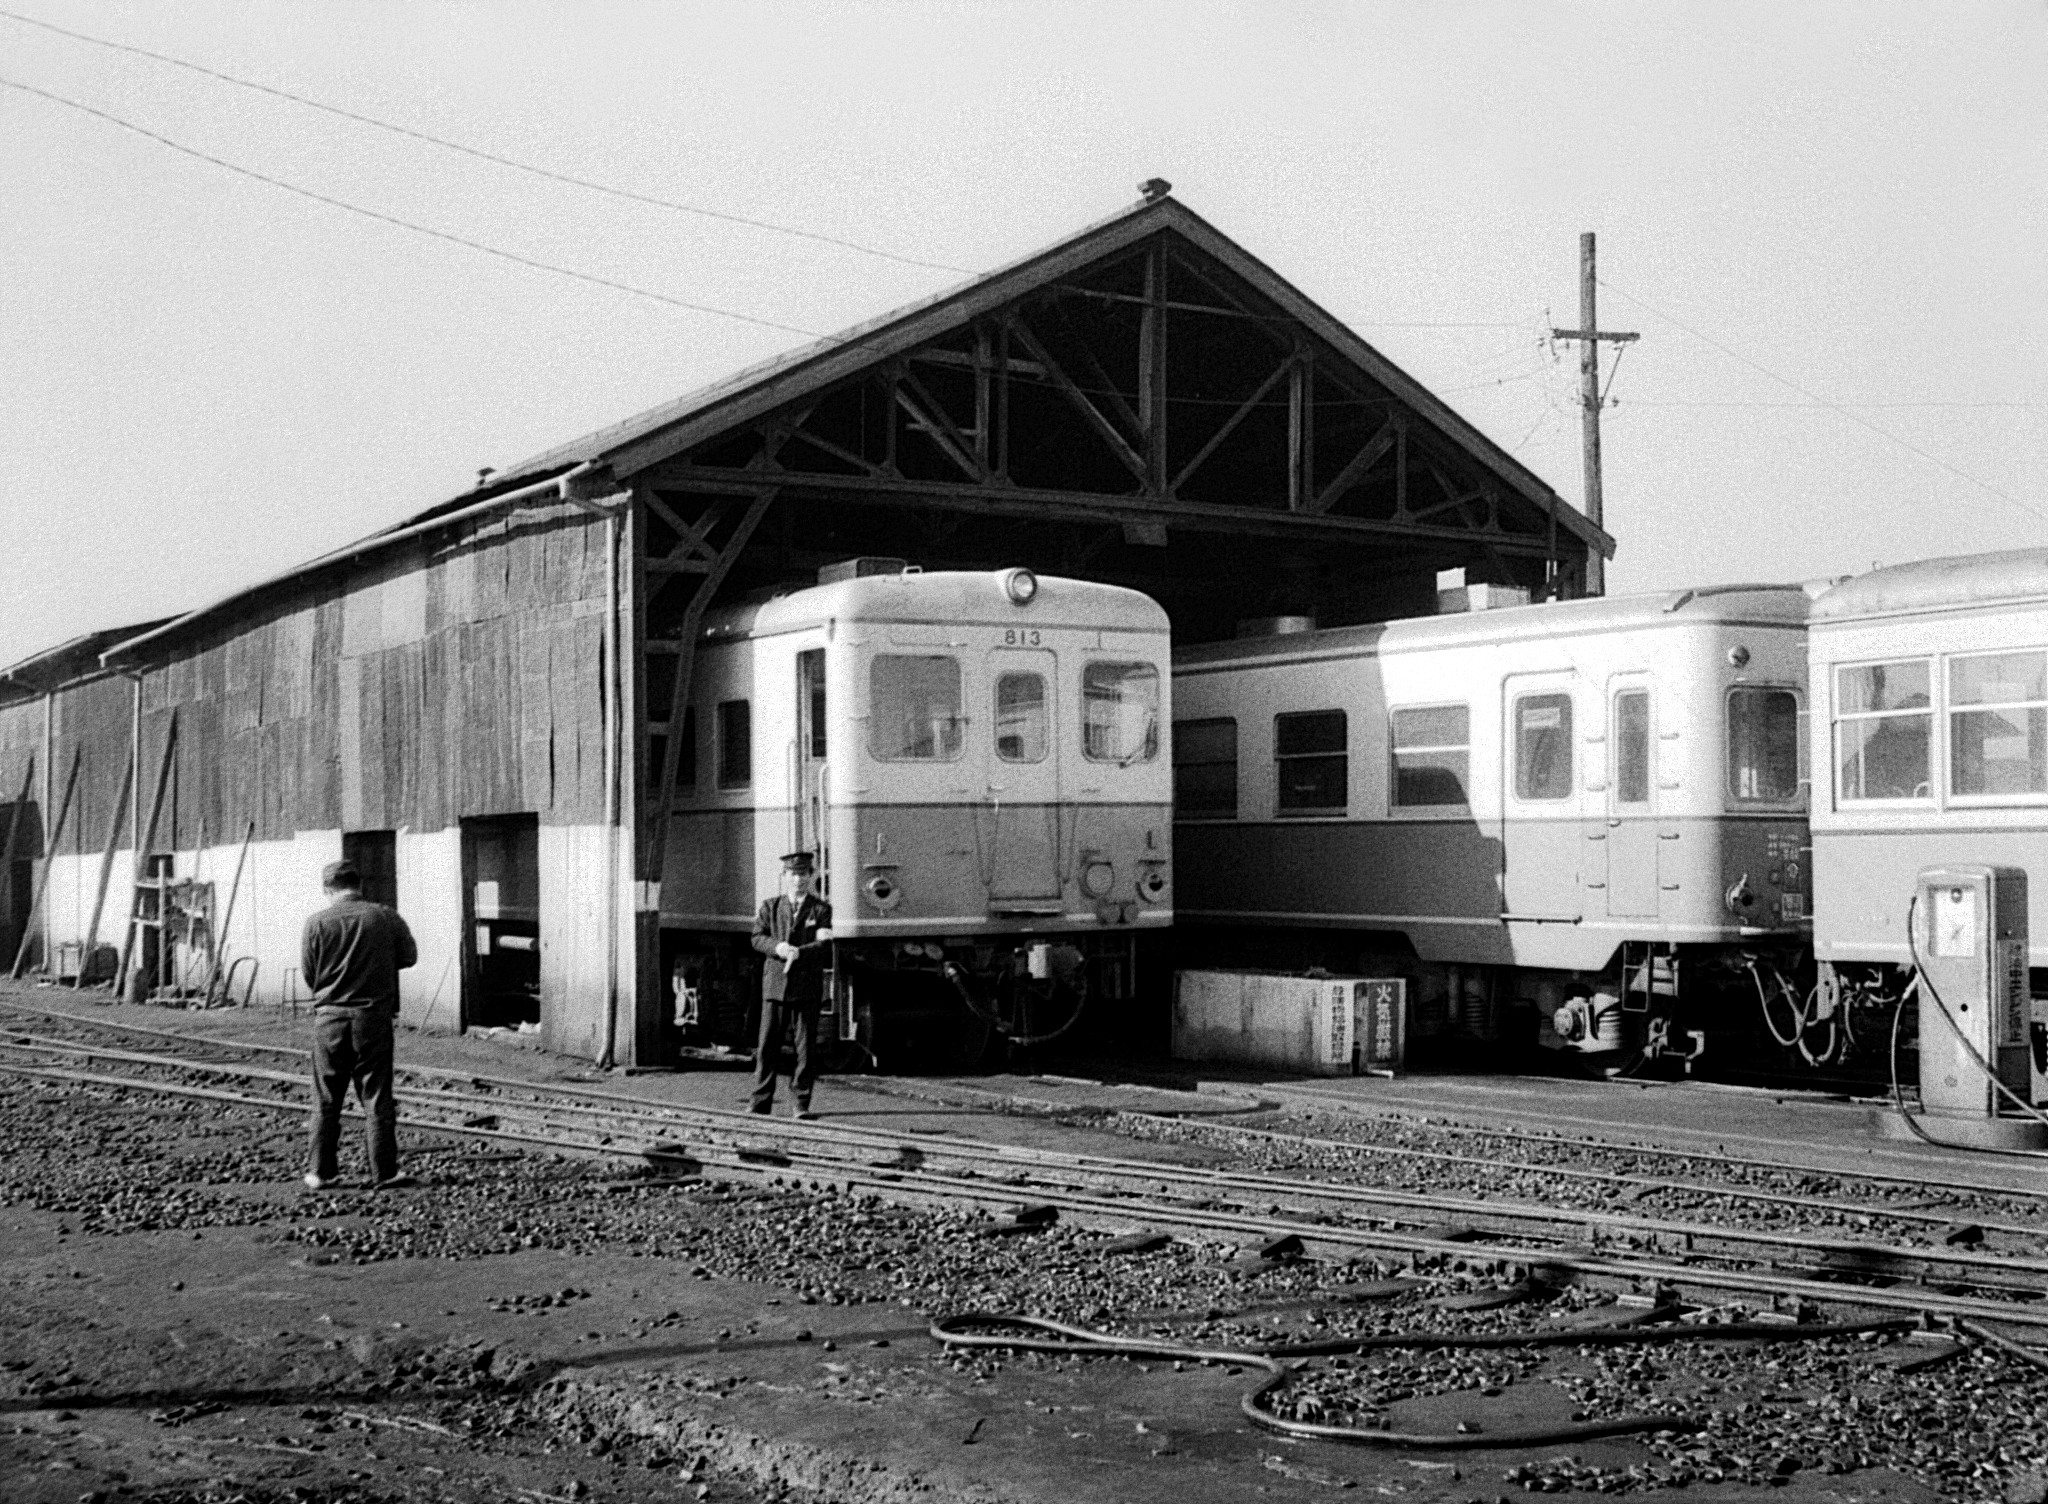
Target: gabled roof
(645, 440)
(663, 431)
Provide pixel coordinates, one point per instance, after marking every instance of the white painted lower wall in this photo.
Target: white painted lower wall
(280, 887)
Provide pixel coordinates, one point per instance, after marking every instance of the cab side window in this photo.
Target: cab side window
(735, 744)
(1205, 767)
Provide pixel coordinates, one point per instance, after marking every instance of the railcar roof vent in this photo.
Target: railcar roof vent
(1275, 626)
(1462, 598)
(854, 569)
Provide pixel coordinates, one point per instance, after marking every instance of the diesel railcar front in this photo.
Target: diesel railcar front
(980, 762)
(1580, 824)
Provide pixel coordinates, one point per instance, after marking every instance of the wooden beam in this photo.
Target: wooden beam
(1298, 479)
(1069, 506)
(938, 424)
(1244, 410)
(1107, 389)
(143, 849)
(1079, 399)
(826, 446)
(1152, 332)
(963, 361)
(981, 396)
(1354, 471)
(99, 901)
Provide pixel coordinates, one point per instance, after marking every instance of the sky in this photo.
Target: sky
(1827, 221)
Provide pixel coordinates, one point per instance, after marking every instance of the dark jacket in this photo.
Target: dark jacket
(803, 980)
(352, 952)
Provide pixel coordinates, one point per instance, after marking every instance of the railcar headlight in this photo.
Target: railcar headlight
(1738, 656)
(1152, 886)
(1096, 879)
(882, 891)
(1021, 586)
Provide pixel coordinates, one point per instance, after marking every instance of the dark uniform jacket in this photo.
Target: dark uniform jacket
(352, 952)
(802, 980)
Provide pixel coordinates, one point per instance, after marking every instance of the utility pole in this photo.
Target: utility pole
(1589, 335)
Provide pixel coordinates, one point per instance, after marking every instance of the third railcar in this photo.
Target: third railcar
(1578, 823)
(1931, 680)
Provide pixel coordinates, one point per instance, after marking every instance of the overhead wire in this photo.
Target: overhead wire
(405, 224)
(1820, 401)
(496, 158)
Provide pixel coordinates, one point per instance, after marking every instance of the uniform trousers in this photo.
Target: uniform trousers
(354, 1044)
(801, 1019)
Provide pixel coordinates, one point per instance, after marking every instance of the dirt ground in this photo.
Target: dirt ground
(182, 1322)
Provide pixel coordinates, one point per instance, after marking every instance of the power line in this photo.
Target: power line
(405, 224)
(1819, 401)
(486, 156)
(1828, 406)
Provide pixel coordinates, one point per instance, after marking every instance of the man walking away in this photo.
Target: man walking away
(794, 931)
(350, 956)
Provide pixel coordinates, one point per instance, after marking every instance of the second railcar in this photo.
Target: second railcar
(1580, 823)
(979, 761)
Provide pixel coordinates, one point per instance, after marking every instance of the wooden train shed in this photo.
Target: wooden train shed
(480, 704)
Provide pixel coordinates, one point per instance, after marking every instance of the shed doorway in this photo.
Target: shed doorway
(501, 912)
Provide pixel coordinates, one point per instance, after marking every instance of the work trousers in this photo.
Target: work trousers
(802, 1020)
(354, 1044)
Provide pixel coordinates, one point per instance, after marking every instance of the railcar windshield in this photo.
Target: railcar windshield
(1021, 721)
(1998, 724)
(1883, 723)
(1763, 745)
(914, 708)
(1120, 712)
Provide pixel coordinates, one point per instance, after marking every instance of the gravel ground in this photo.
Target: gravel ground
(112, 1165)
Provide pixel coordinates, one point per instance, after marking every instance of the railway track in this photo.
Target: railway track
(1712, 1259)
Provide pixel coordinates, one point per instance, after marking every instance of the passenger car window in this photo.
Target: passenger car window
(1310, 761)
(1020, 717)
(1205, 767)
(1998, 724)
(735, 744)
(1543, 746)
(914, 708)
(1432, 756)
(1632, 747)
(1883, 718)
(1120, 712)
(1763, 745)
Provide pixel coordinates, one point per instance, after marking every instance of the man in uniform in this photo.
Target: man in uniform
(793, 931)
(350, 956)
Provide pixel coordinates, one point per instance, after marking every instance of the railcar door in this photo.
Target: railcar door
(1019, 821)
(1540, 832)
(811, 751)
(1631, 799)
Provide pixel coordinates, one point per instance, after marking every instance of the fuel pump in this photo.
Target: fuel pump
(1970, 939)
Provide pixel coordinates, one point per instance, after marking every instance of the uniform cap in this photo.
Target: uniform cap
(799, 861)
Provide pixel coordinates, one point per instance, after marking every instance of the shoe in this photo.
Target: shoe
(317, 1182)
(804, 1114)
(396, 1182)
(761, 1109)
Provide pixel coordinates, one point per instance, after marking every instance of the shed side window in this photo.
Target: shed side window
(1432, 756)
(1205, 767)
(735, 744)
(1763, 745)
(1543, 746)
(1309, 759)
(1883, 717)
(1998, 724)
(914, 708)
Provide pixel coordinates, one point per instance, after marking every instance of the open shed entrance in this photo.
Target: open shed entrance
(501, 887)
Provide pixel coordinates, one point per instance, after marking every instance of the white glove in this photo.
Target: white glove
(785, 951)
